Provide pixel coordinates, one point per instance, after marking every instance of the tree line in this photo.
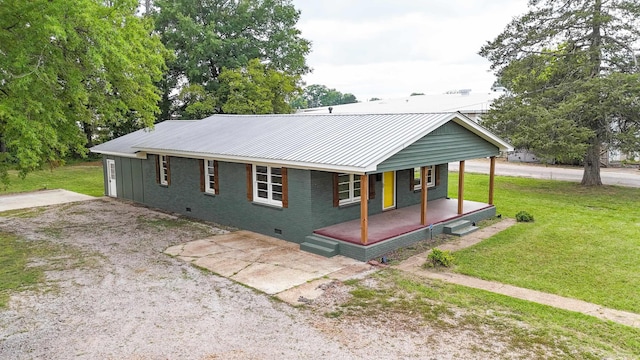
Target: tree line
(75, 71)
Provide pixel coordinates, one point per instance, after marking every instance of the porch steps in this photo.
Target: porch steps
(459, 228)
(320, 245)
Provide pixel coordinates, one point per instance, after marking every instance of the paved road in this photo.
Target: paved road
(610, 176)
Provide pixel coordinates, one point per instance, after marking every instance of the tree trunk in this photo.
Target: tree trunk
(88, 132)
(591, 175)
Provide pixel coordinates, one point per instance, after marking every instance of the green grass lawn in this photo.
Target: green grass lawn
(85, 178)
(545, 332)
(584, 243)
(14, 272)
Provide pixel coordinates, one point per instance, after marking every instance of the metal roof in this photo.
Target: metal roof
(350, 143)
(472, 103)
(123, 146)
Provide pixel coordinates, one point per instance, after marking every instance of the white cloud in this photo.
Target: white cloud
(390, 48)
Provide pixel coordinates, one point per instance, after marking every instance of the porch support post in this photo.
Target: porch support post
(461, 188)
(423, 191)
(492, 174)
(364, 208)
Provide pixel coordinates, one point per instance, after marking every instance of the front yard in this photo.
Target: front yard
(584, 243)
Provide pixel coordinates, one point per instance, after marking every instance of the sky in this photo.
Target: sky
(392, 48)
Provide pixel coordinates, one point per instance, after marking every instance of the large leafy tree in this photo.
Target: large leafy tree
(571, 75)
(208, 36)
(68, 67)
(256, 89)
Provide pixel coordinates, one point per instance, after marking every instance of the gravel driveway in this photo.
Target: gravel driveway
(114, 295)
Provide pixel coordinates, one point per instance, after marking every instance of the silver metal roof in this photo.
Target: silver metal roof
(473, 103)
(351, 143)
(123, 146)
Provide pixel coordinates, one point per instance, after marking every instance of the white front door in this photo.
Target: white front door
(111, 178)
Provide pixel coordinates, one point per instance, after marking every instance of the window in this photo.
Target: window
(348, 188)
(268, 184)
(417, 178)
(163, 171)
(209, 178)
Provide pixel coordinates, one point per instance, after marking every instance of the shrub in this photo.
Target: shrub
(438, 257)
(523, 216)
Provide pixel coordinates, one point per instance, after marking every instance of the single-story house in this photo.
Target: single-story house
(359, 185)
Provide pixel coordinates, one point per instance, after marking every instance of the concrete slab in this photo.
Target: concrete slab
(201, 248)
(223, 267)
(40, 198)
(270, 265)
(270, 278)
(307, 291)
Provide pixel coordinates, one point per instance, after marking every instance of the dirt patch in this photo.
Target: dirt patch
(120, 297)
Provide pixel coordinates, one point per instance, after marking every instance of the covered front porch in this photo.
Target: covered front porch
(374, 235)
(397, 222)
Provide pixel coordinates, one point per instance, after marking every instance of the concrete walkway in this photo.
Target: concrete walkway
(273, 266)
(413, 265)
(40, 198)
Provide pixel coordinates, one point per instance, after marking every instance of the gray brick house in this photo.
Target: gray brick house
(358, 185)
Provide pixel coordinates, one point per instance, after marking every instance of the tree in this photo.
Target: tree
(68, 68)
(207, 37)
(571, 79)
(256, 89)
(320, 95)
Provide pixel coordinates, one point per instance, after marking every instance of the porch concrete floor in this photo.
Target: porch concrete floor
(265, 263)
(396, 222)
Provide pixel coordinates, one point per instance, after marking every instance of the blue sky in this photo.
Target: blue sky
(387, 49)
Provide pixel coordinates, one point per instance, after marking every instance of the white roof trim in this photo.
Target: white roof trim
(482, 132)
(136, 155)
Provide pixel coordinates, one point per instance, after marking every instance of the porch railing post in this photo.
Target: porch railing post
(423, 188)
(461, 188)
(364, 208)
(492, 174)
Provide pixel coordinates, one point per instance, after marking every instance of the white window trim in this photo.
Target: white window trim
(269, 200)
(162, 163)
(208, 175)
(351, 199)
(430, 173)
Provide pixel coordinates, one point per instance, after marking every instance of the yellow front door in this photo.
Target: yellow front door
(389, 190)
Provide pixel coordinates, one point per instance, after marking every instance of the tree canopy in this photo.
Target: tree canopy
(69, 66)
(254, 89)
(320, 95)
(571, 77)
(208, 37)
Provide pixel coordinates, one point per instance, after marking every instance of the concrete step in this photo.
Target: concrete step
(454, 226)
(464, 231)
(320, 246)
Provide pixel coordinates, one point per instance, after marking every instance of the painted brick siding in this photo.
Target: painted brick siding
(323, 211)
(230, 207)
(310, 196)
(325, 214)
